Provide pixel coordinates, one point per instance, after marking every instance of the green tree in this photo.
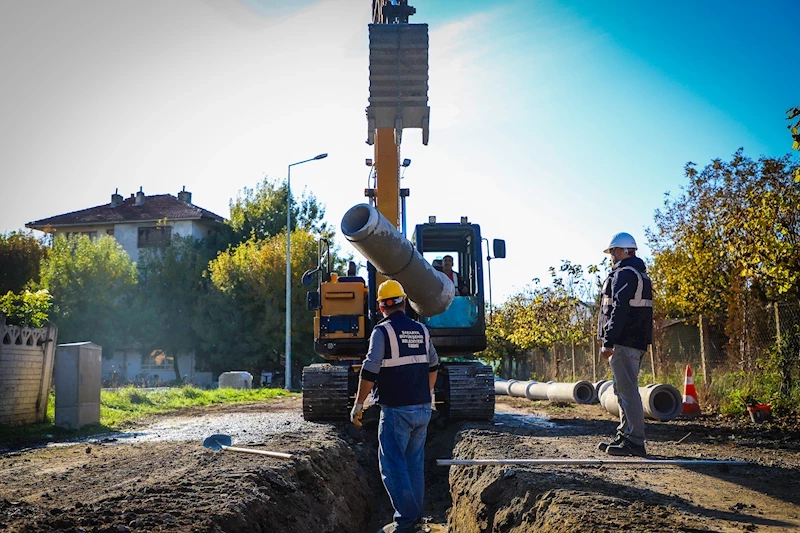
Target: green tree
(171, 291)
(262, 212)
(21, 254)
(795, 131)
(735, 229)
(243, 322)
(29, 308)
(541, 317)
(92, 282)
(732, 237)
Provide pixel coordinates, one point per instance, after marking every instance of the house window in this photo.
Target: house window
(91, 234)
(157, 360)
(110, 232)
(155, 236)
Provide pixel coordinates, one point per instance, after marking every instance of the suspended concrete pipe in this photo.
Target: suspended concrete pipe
(581, 392)
(429, 291)
(660, 402)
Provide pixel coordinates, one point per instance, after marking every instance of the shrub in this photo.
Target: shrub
(27, 308)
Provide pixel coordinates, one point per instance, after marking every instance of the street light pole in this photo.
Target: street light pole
(288, 380)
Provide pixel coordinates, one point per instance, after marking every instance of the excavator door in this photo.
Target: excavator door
(461, 329)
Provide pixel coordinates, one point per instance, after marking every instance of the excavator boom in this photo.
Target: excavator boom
(345, 307)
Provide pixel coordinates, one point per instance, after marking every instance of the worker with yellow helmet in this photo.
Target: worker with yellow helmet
(400, 371)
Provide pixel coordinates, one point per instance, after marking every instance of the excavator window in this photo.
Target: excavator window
(460, 269)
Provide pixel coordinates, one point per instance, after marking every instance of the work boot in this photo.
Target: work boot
(627, 448)
(395, 528)
(615, 442)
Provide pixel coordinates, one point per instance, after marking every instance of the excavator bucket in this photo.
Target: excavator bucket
(398, 79)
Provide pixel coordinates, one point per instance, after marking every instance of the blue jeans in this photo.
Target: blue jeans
(401, 455)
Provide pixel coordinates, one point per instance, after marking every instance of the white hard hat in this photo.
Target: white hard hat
(621, 240)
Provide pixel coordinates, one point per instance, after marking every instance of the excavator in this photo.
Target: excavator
(452, 307)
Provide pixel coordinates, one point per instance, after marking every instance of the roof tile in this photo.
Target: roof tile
(156, 207)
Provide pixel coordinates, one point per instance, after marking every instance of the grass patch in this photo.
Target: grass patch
(122, 407)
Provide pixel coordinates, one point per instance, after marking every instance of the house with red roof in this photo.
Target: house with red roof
(139, 222)
(136, 222)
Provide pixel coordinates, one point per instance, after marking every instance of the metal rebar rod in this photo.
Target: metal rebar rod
(597, 462)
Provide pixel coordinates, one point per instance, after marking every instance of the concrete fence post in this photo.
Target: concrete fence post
(48, 341)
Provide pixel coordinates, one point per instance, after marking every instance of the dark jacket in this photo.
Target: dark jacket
(626, 313)
(400, 357)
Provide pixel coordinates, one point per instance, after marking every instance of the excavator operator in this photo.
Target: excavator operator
(400, 369)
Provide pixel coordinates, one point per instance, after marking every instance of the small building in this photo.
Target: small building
(136, 222)
(139, 222)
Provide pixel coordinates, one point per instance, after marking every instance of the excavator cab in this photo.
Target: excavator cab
(461, 329)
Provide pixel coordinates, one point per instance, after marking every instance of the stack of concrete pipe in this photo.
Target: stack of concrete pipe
(582, 392)
(661, 402)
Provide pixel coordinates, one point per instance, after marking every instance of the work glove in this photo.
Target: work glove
(356, 414)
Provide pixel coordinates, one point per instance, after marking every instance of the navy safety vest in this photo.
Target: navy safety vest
(632, 323)
(403, 379)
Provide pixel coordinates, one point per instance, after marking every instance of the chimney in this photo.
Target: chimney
(185, 195)
(116, 198)
(139, 197)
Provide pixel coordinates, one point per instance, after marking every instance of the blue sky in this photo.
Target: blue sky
(553, 124)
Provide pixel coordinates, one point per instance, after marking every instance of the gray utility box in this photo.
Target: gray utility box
(78, 379)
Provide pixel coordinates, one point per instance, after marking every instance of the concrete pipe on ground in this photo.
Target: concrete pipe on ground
(660, 402)
(531, 390)
(537, 390)
(597, 386)
(580, 392)
(429, 291)
(501, 386)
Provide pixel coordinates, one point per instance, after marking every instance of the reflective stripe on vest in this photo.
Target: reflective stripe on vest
(637, 300)
(395, 359)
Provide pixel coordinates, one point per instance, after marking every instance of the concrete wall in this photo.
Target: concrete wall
(26, 372)
(127, 235)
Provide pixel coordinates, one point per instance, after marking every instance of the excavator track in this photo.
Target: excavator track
(470, 394)
(326, 392)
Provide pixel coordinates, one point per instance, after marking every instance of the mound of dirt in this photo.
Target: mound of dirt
(159, 478)
(180, 486)
(763, 494)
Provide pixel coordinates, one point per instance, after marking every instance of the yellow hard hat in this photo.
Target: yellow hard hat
(390, 289)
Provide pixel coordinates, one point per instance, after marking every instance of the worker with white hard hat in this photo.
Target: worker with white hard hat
(400, 370)
(625, 327)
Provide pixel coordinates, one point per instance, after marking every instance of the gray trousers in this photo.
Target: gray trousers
(625, 364)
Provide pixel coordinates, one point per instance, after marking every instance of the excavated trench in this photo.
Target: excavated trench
(332, 484)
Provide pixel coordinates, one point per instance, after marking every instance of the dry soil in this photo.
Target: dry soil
(159, 477)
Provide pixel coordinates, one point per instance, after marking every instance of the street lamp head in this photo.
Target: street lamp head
(321, 156)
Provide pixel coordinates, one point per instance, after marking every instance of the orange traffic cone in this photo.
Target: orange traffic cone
(691, 407)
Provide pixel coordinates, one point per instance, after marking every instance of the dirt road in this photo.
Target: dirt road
(158, 477)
